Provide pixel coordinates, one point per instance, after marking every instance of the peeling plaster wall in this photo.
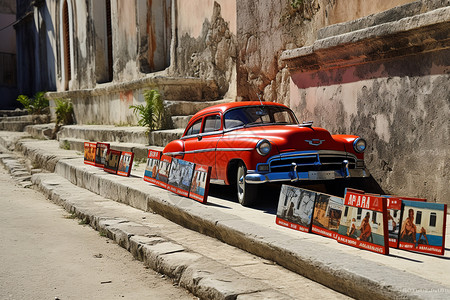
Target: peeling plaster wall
(402, 108)
(267, 28)
(206, 43)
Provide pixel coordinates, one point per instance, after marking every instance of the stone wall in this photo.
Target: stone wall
(386, 78)
(267, 28)
(206, 44)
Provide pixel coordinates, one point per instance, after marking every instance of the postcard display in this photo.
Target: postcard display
(179, 176)
(366, 221)
(423, 227)
(112, 161)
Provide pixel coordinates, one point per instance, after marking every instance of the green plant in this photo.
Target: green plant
(153, 114)
(64, 111)
(296, 3)
(36, 105)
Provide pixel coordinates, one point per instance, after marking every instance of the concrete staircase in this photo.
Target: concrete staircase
(17, 120)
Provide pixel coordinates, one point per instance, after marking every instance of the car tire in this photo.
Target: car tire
(246, 193)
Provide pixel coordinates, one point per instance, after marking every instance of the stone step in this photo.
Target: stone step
(112, 134)
(104, 133)
(186, 108)
(181, 121)
(140, 151)
(163, 137)
(10, 113)
(18, 123)
(41, 131)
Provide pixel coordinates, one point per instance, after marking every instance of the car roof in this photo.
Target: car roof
(226, 106)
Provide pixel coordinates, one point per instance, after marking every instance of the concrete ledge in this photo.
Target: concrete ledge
(171, 88)
(416, 34)
(390, 15)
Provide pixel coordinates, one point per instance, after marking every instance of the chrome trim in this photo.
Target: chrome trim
(209, 150)
(217, 181)
(356, 141)
(258, 144)
(201, 134)
(256, 178)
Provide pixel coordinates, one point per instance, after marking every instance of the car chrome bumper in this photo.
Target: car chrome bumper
(293, 176)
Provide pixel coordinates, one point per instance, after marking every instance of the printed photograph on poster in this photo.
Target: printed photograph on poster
(162, 175)
(200, 183)
(125, 163)
(295, 208)
(151, 168)
(423, 227)
(180, 176)
(364, 223)
(394, 211)
(112, 161)
(89, 153)
(100, 154)
(327, 215)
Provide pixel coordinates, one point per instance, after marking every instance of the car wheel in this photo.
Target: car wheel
(247, 193)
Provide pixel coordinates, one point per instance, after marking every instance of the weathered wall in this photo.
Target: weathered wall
(206, 42)
(267, 28)
(403, 113)
(390, 83)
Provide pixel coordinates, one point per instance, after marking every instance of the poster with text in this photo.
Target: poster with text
(125, 163)
(151, 168)
(327, 215)
(423, 227)
(200, 183)
(100, 154)
(364, 222)
(180, 177)
(162, 175)
(89, 153)
(295, 208)
(112, 161)
(394, 210)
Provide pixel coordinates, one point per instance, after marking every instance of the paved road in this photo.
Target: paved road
(44, 254)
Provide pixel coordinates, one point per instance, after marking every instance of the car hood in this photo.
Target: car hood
(292, 137)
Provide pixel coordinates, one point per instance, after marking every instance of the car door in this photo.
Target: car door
(207, 142)
(190, 140)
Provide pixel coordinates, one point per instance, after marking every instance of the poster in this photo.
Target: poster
(162, 175)
(89, 153)
(151, 168)
(180, 177)
(364, 222)
(112, 161)
(327, 215)
(394, 209)
(200, 183)
(423, 227)
(125, 163)
(100, 154)
(295, 208)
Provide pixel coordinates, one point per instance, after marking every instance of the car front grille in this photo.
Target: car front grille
(311, 161)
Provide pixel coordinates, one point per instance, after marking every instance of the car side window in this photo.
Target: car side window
(195, 128)
(212, 123)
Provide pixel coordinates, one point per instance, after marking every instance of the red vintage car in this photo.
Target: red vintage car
(249, 143)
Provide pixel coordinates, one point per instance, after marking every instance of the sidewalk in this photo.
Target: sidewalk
(354, 272)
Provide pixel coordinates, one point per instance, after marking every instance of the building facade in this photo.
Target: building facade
(379, 69)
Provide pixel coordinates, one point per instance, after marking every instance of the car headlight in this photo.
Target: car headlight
(359, 145)
(263, 147)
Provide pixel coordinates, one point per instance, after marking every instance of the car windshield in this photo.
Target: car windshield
(259, 115)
